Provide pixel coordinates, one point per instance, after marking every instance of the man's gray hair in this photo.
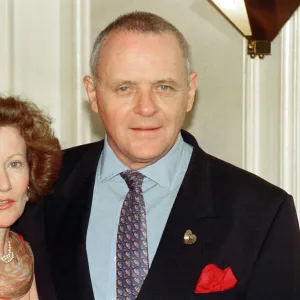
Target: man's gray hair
(143, 22)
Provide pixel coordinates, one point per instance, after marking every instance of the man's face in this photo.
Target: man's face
(142, 95)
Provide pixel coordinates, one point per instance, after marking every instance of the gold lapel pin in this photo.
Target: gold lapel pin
(189, 238)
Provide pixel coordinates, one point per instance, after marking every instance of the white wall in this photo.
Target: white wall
(247, 111)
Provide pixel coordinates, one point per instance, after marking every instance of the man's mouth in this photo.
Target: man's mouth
(146, 128)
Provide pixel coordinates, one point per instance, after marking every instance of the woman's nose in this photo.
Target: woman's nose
(5, 184)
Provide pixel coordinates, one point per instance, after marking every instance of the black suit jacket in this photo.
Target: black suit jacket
(240, 221)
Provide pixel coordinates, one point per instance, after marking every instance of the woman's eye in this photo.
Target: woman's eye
(15, 164)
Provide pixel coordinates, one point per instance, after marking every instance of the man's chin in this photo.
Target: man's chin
(147, 157)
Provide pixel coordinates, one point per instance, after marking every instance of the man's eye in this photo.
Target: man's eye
(15, 164)
(164, 87)
(124, 89)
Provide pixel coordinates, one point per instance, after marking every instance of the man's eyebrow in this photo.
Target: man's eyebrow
(170, 81)
(123, 82)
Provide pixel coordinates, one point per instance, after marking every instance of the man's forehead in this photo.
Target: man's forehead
(132, 45)
(118, 35)
(132, 53)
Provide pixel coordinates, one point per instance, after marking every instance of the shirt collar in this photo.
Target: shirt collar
(109, 165)
(163, 172)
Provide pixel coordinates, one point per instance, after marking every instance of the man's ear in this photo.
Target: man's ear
(89, 85)
(193, 80)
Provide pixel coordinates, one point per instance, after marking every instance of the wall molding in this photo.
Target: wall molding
(290, 109)
(74, 53)
(82, 49)
(256, 118)
(6, 61)
(251, 107)
(296, 191)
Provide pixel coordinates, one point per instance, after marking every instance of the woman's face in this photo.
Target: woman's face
(14, 175)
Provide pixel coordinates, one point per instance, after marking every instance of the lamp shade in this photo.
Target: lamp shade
(257, 19)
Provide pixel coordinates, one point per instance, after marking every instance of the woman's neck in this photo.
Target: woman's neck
(4, 237)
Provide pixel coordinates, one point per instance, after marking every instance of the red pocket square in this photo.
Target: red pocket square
(214, 279)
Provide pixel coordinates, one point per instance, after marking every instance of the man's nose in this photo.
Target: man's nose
(145, 103)
(5, 184)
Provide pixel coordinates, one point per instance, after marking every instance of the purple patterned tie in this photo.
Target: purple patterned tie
(132, 246)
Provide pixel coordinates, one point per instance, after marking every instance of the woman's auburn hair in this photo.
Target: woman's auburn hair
(43, 148)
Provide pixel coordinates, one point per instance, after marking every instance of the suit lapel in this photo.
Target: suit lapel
(68, 246)
(176, 266)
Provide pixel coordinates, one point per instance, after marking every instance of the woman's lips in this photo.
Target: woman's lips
(6, 203)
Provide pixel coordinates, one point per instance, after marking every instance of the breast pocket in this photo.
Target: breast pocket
(225, 295)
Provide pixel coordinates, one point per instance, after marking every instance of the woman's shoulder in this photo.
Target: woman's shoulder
(16, 275)
(22, 245)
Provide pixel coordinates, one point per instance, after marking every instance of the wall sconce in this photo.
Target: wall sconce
(258, 20)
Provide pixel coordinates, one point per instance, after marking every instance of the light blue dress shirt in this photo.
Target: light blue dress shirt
(160, 187)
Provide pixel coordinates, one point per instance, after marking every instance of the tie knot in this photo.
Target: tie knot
(133, 179)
